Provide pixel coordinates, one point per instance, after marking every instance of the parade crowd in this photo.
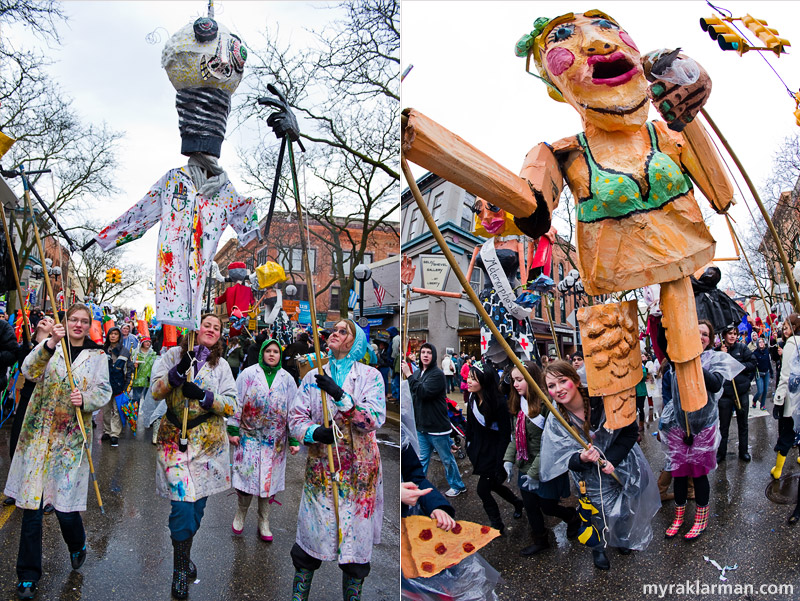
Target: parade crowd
(524, 455)
(250, 402)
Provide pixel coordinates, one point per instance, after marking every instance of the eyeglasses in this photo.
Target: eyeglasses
(478, 205)
(75, 321)
(341, 331)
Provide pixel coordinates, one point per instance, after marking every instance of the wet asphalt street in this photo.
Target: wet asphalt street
(129, 550)
(746, 529)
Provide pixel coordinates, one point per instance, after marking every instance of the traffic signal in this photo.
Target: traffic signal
(797, 110)
(109, 276)
(723, 32)
(766, 34)
(113, 276)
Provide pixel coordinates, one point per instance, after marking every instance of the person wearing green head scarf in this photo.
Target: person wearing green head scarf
(259, 432)
(357, 407)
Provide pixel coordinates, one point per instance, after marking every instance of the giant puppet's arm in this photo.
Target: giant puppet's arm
(442, 152)
(700, 158)
(133, 224)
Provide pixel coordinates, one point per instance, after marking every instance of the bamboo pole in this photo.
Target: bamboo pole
(749, 266)
(312, 306)
(532, 385)
(550, 321)
(183, 443)
(64, 351)
(781, 252)
(16, 273)
(405, 340)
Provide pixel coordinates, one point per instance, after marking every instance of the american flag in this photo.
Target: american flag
(380, 292)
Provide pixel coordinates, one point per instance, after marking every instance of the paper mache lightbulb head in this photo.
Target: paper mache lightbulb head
(205, 63)
(588, 61)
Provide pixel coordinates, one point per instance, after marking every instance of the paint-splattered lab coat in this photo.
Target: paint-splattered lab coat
(361, 485)
(259, 462)
(50, 463)
(191, 227)
(204, 469)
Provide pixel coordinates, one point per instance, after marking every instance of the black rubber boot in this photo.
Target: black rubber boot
(540, 543)
(351, 588)
(600, 559)
(302, 584)
(495, 521)
(573, 526)
(180, 568)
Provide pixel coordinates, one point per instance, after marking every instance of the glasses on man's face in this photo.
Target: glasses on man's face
(341, 331)
(76, 321)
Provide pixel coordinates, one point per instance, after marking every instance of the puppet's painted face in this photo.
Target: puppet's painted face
(491, 218)
(597, 68)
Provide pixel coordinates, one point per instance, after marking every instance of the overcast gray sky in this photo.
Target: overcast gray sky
(467, 77)
(114, 75)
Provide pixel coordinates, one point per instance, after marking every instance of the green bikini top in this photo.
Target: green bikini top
(616, 194)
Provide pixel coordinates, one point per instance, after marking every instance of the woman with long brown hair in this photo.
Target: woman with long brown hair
(538, 497)
(624, 510)
(187, 477)
(488, 432)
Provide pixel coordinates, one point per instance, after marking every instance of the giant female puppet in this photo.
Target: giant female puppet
(194, 203)
(638, 221)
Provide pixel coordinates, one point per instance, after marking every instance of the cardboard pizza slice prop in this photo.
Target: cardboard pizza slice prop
(427, 549)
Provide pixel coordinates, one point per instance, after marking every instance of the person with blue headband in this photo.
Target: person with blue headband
(357, 406)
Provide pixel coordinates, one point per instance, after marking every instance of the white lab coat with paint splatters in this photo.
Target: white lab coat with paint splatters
(50, 463)
(204, 469)
(259, 461)
(361, 485)
(191, 227)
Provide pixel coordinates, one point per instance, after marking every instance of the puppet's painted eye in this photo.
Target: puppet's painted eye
(605, 24)
(561, 33)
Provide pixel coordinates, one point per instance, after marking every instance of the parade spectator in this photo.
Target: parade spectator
(488, 432)
(449, 371)
(143, 361)
(464, 375)
(458, 363)
(187, 477)
(129, 341)
(397, 356)
(234, 355)
(355, 392)
(120, 371)
(50, 465)
(763, 373)
(300, 346)
(580, 366)
(735, 393)
(538, 497)
(692, 454)
(787, 395)
(385, 363)
(641, 396)
(429, 395)
(259, 430)
(627, 508)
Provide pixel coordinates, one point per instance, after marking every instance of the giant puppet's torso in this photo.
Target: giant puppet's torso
(191, 227)
(634, 228)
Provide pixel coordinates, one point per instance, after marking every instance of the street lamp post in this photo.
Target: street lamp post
(572, 286)
(362, 273)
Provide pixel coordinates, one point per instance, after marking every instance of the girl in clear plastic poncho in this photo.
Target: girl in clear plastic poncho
(524, 450)
(488, 432)
(693, 454)
(624, 511)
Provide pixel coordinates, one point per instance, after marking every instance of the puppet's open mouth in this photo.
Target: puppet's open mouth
(612, 70)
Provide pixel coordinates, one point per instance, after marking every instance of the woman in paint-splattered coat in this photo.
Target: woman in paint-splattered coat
(188, 477)
(50, 463)
(259, 429)
(357, 405)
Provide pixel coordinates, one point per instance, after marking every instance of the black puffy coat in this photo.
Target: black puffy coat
(743, 381)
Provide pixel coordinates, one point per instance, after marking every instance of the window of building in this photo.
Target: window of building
(347, 258)
(412, 226)
(475, 279)
(262, 256)
(467, 321)
(297, 259)
(539, 308)
(418, 321)
(334, 297)
(466, 212)
(560, 271)
(437, 206)
(562, 303)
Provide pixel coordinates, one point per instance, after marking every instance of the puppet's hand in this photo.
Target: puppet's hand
(283, 121)
(679, 86)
